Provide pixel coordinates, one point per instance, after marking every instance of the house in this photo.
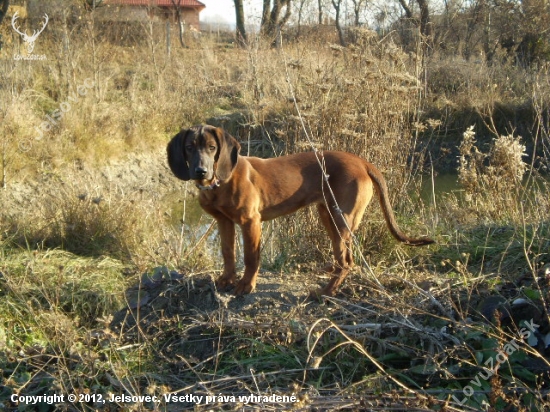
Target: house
(158, 10)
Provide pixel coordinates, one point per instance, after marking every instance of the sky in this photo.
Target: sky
(223, 11)
(218, 11)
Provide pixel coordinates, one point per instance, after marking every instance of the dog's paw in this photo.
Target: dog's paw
(225, 282)
(244, 287)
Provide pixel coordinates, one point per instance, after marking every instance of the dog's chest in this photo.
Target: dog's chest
(215, 203)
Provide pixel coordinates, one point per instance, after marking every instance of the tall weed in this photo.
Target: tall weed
(493, 182)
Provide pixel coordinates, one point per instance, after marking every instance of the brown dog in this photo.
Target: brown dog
(249, 190)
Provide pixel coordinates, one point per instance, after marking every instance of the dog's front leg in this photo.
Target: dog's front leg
(227, 236)
(252, 231)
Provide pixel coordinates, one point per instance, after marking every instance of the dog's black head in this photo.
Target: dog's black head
(203, 153)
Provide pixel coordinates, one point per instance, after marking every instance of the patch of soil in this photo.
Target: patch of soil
(196, 295)
(145, 174)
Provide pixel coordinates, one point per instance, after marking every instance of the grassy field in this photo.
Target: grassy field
(106, 266)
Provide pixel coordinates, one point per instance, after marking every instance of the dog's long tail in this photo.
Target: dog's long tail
(382, 191)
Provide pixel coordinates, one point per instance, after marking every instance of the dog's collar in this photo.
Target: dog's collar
(213, 184)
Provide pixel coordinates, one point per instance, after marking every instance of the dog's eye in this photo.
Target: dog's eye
(189, 147)
(212, 148)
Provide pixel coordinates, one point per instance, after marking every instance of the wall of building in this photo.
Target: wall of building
(127, 14)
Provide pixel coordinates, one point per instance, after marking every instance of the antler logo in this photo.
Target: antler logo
(29, 40)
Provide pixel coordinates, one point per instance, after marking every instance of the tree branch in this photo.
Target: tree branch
(408, 11)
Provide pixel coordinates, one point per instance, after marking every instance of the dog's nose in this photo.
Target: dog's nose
(200, 172)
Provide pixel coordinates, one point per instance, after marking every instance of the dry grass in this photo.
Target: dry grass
(92, 245)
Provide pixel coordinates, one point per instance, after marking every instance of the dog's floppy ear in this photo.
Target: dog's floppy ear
(228, 154)
(176, 156)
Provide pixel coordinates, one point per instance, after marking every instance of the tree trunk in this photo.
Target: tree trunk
(424, 22)
(272, 22)
(357, 5)
(286, 17)
(239, 16)
(281, 23)
(177, 5)
(274, 15)
(425, 25)
(3, 9)
(265, 13)
(300, 12)
(408, 11)
(337, 6)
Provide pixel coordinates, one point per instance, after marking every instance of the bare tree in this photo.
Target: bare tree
(337, 4)
(272, 18)
(358, 6)
(423, 22)
(177, 6)
(407, 9)
(239, 16)
(520, 27)
(300, 14)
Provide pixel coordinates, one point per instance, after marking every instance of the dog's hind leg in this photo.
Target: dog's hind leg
(340, 237)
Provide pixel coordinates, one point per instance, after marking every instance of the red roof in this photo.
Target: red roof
(156, 3)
